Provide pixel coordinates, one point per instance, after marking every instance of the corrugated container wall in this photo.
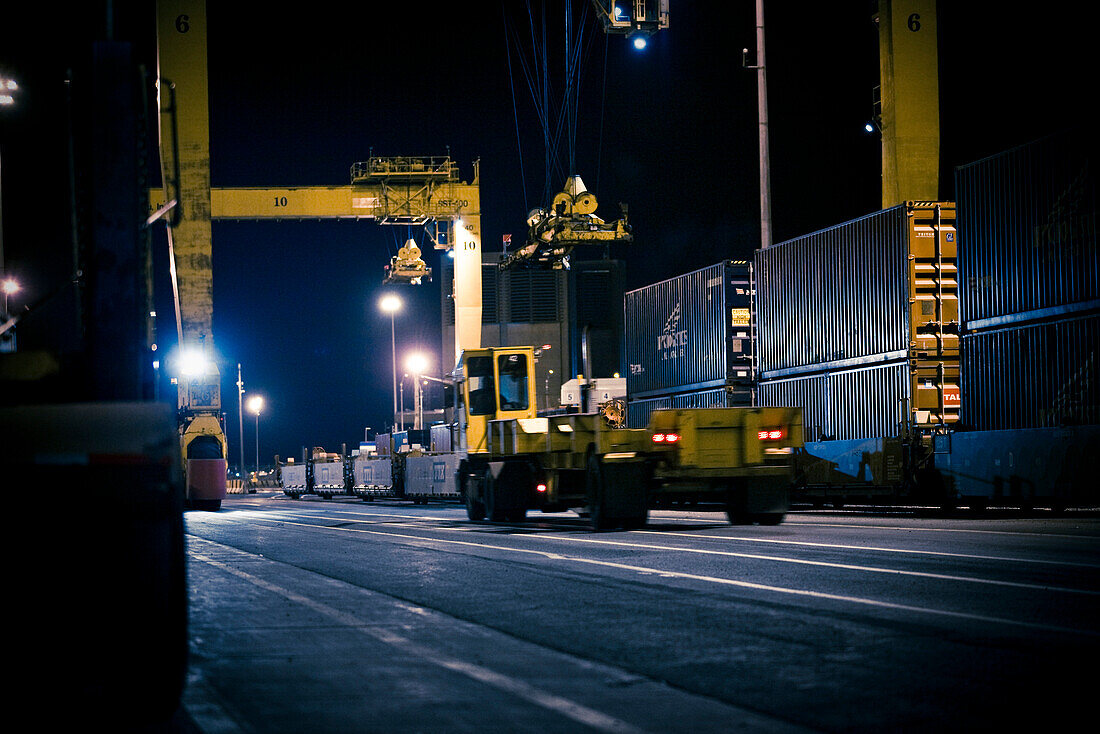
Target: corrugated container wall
(638, 411)
(866, 402)
(1032, 376)
(690, 332)
(852, 294)
(1027, 221)
(858, 324)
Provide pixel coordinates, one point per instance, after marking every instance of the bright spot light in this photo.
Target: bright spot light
(390, 303)
(639, 42)
(869, 127)
(255, 404)
(417, 363)
(10, 286)
(192, 364)
(451, 254)
(7, 99)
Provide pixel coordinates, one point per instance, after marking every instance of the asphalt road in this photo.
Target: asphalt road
(345, 616)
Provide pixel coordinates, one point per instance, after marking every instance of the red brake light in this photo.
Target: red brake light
(658, 438)
(770, 435)
(540, 488)
(672, 437)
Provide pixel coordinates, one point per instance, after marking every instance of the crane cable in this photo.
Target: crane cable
(578, 43)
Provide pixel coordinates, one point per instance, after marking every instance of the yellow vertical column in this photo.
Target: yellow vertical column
(181, 59)
(910, 124)
(467, 283)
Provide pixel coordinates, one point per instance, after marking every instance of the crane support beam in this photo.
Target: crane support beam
(343, 202)
(387, 201)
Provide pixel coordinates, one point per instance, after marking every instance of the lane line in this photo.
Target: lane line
(840, 546)
(557, 704)
(973, 531)
(795, 519)
(417, 539)
(787, 559)
(787, 522)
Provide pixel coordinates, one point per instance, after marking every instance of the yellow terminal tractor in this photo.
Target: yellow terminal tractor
(512, 460)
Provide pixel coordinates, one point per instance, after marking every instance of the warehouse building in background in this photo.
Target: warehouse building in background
(550, 310)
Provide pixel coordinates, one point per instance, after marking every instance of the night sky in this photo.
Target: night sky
(297, 97)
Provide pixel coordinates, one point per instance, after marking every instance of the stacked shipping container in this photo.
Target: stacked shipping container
(689, 341)
(1031, 324)
(858, 324)
(1032, 285)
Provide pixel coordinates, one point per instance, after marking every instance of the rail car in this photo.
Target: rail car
(944, 352)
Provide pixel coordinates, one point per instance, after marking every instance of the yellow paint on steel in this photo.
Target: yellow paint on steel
(910, 117)
(181, 59)
(334, 202)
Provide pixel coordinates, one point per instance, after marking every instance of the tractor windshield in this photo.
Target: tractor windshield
(513, 381)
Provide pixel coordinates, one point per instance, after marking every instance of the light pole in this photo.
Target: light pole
(417, 364)
(256, 404)
(240, 418)
(8, 88)
(9, 286)
(403, 400)
(391, 304)
(762, 115)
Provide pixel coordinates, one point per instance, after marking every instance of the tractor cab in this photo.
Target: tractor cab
(494, 383)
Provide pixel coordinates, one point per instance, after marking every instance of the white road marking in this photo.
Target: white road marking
(879, 549)
(563, 706)
(800, 561)
(417, 539)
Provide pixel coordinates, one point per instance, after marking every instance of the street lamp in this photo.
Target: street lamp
(417, 363)
(402, 414)
(9, 286)
(391, 304)
(240, 419)
(255, 405)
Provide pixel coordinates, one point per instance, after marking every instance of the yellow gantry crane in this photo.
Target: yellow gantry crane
(395, 190)
(389, 190)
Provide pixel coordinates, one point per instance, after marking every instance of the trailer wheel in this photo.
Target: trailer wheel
(597, 496)
(617, 495)
(737, 506)
(493, 509)
(475, 508)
